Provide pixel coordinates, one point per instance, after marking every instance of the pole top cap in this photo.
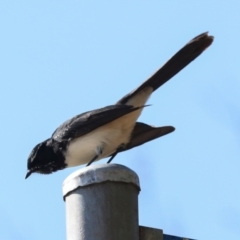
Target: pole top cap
(97, 174)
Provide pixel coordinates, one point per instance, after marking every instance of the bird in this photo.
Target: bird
(107, 131)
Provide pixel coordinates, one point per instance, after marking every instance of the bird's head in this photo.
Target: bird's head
(44, 159)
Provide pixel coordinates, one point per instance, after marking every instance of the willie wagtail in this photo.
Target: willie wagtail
(104, 132)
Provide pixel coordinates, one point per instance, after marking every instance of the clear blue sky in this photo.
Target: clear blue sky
(61, 58)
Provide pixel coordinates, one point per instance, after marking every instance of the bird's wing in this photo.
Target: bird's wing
(88, 121)
(143, 133)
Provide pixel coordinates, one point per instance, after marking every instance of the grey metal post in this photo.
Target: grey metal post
(102, 203)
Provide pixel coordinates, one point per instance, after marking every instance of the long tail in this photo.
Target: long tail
(180, 60)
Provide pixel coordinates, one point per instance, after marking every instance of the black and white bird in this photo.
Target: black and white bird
(104, 132)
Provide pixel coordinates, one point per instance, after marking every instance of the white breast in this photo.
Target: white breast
(108, 137)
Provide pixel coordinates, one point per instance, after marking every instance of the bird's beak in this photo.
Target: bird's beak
(28, 174)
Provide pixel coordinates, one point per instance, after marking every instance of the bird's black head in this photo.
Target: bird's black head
(45, 158)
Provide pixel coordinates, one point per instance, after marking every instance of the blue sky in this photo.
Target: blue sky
(61, 58)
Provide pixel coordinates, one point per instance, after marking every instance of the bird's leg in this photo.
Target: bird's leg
(99, 152)
(112, 157)
(117, 151)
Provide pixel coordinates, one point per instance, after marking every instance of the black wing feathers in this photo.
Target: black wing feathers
(143, 133)
(88, 121)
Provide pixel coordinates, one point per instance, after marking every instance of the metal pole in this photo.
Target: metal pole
(102, 203)
(147, 233)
